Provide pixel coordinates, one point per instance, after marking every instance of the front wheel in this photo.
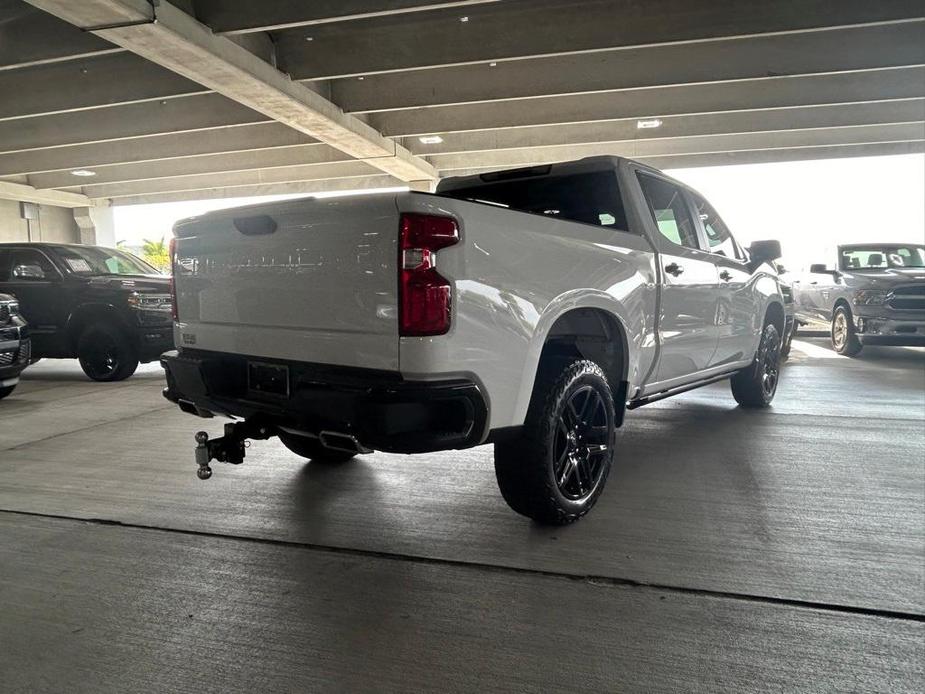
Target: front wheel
(788, 341)
(106, 353)
(755, 385)
(313, 450)
(6, 391)
(555, 470)
(844, 338)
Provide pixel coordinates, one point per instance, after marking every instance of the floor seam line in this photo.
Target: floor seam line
(411, 558)
(86, 428)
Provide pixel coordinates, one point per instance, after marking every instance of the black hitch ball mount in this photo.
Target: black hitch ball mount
(229, 448)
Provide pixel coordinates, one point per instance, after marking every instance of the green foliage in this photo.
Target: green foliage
(157, 254)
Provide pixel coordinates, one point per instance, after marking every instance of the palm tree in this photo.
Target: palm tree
(156, 253)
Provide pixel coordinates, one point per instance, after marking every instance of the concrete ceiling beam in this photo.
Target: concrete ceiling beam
(24, 193)
(708, 144)
(514, 138)
(179, 43)
(188, 114)
(667, 162)
(154, 148)
(288, 174)
(296, 155)
(242, 16)
(259, 189)
(741, 96)
(766, 57)
(509, 31)
(820, 117)
(111, 80)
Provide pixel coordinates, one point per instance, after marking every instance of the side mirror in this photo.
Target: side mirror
(819, 269)
(764, 252)
(28, 272)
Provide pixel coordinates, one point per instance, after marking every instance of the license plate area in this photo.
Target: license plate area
(268, 379)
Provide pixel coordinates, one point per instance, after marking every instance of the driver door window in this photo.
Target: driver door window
(670, 212)
(718, 235)
(28, 265)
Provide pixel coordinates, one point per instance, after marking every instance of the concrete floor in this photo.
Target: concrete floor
(733, 550)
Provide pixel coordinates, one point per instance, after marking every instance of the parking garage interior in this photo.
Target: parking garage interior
(732, 550)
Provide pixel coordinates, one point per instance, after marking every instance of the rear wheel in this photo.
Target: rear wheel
(556, 469)
(313, 450)
(6, 391)
(844, 338)
(106, 353)
(755, 385)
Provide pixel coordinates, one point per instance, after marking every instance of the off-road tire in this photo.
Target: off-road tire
(526, 466)
(787, 344)
(313, 450)
(756, 385)
(106, 353)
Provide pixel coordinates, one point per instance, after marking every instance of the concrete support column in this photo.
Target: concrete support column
(97, 226)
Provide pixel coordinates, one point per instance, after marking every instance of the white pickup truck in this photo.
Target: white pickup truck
(527, 308)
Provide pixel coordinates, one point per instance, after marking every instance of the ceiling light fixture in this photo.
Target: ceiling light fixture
(653, 123)
(82, 172)
(431, 139)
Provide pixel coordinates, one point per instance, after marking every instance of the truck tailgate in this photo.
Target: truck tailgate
(304, 280)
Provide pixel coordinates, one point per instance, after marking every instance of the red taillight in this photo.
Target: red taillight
(425, 297)
(173, 280)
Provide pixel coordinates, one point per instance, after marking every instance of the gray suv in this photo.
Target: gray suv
(875, 294)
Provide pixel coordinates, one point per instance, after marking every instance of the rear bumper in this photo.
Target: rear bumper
(380, 409)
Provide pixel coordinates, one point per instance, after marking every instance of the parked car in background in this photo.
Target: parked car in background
(106, 307)
(14, 344)
(874, 293)
(527, 308)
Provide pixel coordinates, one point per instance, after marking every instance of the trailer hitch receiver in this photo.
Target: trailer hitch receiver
(229, 448)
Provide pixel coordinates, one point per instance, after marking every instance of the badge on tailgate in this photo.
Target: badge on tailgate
(268, 379)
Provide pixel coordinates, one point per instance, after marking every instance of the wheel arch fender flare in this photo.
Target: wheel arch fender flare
(89, 313)
(567, 303)
(775, 313)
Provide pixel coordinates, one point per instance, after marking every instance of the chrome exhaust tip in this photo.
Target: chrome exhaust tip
(342, 442)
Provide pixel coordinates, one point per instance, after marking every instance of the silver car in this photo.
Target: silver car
(875, 294)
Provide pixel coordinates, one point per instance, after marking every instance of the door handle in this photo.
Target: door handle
(674, 269)
(725, 276)
(814, 283)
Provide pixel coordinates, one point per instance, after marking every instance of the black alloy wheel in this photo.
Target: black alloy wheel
(581, 444)
(756, 385)
(106, 354)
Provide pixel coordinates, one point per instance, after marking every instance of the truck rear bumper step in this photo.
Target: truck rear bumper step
(378, 410)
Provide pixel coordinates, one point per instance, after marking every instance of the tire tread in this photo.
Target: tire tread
(520, 464)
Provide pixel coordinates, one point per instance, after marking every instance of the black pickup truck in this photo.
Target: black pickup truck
(104, 306)
(14, 344)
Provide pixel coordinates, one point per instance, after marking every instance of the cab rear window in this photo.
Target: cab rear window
(590, 198)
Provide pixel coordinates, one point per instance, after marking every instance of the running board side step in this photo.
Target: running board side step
(655, 397)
